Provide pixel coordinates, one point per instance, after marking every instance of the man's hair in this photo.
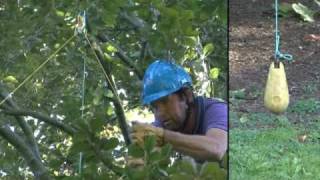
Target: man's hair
(181, 91)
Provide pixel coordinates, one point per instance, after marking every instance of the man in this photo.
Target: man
(194, 126)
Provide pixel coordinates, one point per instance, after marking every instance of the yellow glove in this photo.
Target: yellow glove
(135, 162)
(140, 131)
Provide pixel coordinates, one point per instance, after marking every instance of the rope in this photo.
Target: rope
(36, 70)
(278, 55)
(80, 29)
(80, 163)
(103, 70)
(83, 87)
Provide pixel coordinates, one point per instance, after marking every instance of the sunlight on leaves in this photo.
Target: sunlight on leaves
(214, 73)
(208, 49)
(304, 12)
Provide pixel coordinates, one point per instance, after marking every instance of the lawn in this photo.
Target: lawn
(287, 151)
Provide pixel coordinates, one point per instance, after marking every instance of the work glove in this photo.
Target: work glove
(134, 162)
(141, 130)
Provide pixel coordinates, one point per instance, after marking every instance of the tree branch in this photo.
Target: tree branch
(54, 122)
(22, 123)
(143, 49)
(116, 101)
(138, 24)
(133, 20)
(121, 54)
(39, 171)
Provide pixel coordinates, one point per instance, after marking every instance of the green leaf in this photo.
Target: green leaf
(214, 73)
(166, 150)
(222, 12)
(208, 49)
(60, 13)
(238, 94)
(180, 177)
(97, 96)
(304, 12)
(155, 156)
(108, 93)
(10, 79)
(110, 110)
(138, 174)
(225, 161)
(244, 119)
(149, 143)
(135, 151)
(97, 123)
(212, 169)
(80, 146)
(188, 166)
(285, 9)
(109, 144)
(111, 48)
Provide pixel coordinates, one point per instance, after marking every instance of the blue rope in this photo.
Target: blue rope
(80, 29)
(278, 55)
(80, 163)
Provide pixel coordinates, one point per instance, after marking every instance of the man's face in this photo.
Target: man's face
(171, 111)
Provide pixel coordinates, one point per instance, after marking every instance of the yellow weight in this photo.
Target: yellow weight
(276, 96)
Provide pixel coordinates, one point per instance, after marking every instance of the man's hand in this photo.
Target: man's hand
(140, 131)
(135, 162)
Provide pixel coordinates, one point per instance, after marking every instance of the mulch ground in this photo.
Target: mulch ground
(251, 49)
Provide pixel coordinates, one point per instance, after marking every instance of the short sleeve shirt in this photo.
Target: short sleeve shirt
(215, 116)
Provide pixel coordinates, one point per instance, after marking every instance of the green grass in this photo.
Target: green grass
(310, 105)
(265, 146)
(274, 153)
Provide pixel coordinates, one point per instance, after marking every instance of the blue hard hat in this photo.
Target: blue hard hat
(163, 78)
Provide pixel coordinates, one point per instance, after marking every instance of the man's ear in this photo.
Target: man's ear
(188, 94)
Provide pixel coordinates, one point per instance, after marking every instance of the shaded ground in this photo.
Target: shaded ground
(251, 43)
(263, 145)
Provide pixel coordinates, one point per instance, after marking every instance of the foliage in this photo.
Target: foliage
(158, 165)
(303, 12)
(46, 113)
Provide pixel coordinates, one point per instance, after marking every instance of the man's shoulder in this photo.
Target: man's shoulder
(208, 102)
(215, 114)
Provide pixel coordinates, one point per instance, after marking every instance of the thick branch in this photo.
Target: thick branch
(54, 122)
(4, 94)
(29, 135)
(39, 171)
(143, 49)
(133, 20)
(22, 123)
(116, 101)
(138, 24)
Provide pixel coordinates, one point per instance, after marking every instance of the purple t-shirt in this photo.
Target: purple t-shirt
(215, 116)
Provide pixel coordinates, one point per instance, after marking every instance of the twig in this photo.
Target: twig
(54, 122)
(38, 169)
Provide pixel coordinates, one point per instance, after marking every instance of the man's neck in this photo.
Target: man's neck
(191, 123)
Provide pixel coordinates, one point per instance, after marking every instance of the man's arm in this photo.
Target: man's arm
(210, 147)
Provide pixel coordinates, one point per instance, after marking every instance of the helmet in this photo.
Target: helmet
(163, 78)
